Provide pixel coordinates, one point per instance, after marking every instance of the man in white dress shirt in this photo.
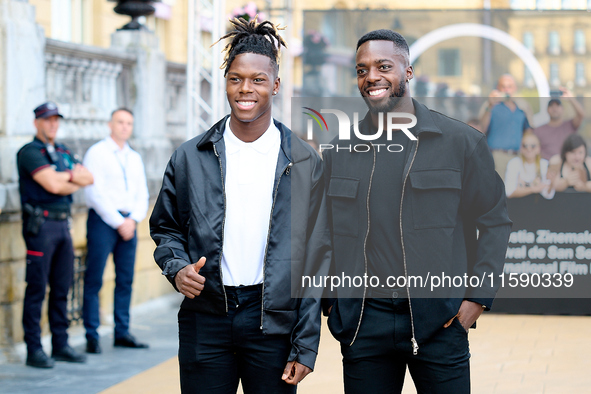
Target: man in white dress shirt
(117, 202)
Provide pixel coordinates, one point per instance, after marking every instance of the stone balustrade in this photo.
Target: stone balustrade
(87, 83)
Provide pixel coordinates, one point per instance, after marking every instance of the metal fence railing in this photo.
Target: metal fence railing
(75, 298)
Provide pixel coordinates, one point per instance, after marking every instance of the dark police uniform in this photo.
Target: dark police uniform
(50, 253)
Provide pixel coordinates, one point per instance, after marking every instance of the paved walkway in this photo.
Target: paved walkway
(153, 322)
(510, 354)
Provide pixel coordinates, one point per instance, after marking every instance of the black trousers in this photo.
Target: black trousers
(50, 259)
(216, 352)
(377, 360)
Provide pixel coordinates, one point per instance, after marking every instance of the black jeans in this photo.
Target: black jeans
(377, 360)
(215, 352)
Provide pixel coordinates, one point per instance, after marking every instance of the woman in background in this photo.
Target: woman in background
(527, 173)
(573, 167)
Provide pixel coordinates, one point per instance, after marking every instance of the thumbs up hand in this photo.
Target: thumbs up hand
(188, 281)
(198, 265)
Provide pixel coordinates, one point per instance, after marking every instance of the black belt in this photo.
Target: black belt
(56, 215)
(50, 214)
(385, 292)
(244, 289)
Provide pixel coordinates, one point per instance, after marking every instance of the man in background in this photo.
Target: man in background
(504, 119)
(48, 176)
(553, 133)
(117, 202)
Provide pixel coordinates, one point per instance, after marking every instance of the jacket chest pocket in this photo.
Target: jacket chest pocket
(342, 194)
(435, 197)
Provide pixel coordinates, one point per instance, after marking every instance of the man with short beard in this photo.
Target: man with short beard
(410, 212)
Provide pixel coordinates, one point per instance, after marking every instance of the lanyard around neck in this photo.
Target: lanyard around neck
(123, 168)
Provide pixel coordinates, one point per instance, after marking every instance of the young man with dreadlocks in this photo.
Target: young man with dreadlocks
(238, 205)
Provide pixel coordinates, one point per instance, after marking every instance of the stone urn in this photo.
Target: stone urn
(135, 9)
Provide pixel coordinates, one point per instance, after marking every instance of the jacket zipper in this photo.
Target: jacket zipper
(223, 225)
(415, 345)
(365, 244)
(286, 171)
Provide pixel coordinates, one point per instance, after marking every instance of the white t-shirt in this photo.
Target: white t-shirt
(249, 180)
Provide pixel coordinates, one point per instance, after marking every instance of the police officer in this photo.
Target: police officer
(48, 175)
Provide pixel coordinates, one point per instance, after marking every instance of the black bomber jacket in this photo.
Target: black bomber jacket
(188, 218)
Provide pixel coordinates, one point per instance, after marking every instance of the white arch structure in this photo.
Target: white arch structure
(484, 31)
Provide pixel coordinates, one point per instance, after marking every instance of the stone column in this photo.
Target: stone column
(22, 84)
(148, 98)
(22, 88)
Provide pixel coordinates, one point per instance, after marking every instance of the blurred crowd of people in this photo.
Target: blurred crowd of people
(535, 160)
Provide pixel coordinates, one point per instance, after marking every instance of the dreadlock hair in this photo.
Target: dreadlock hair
(252, 37)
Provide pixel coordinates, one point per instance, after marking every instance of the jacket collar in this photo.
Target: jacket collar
(213, 135)
(425, 122)
(216, 132)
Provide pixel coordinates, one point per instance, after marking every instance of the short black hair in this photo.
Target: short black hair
(385, 35)
(252, 37)
(121, 109)
(571, 143)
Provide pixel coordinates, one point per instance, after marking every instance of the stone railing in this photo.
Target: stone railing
(87, 83)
